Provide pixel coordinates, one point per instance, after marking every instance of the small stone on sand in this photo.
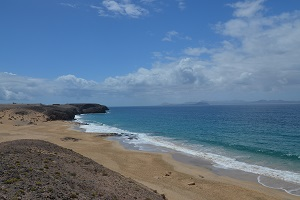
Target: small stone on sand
(192, 183)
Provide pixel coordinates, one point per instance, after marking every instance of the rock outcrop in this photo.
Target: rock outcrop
(89, 108)
(58, 111)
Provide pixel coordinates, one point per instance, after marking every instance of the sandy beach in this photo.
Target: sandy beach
(157, 171)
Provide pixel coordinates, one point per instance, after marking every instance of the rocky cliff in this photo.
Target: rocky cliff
(58, 111)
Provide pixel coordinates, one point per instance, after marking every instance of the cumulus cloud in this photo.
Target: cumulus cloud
(67, 87)
(258, 59)
(74, 82)
(120, 8)
(183, 72)
(6, 94)
(13, 87)
(247, 8)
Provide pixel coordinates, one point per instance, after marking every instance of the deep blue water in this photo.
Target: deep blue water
(262, 139)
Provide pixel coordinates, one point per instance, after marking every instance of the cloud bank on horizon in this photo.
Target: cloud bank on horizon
(258, 58)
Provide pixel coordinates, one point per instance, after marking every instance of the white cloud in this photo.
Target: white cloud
(171, 35)
(120, 8)
(69, 5)
(247, 8)
(67, 88)
(14, 87)
(163, 79)
(133, 8)
(73, 81)
(259, 59)
(6, 95)
(181, 4)
(9, 73)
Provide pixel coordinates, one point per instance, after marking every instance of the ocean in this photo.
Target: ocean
(263, 140)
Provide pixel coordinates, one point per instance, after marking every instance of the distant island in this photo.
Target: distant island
(232, 102)
(201, 103)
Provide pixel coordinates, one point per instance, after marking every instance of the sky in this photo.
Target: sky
(148, 52)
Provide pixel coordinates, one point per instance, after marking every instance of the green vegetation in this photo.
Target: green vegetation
(38, 183)
(73, 196)
(12, 180)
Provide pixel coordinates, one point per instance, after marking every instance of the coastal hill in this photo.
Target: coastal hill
(35, 169)
(41, 112)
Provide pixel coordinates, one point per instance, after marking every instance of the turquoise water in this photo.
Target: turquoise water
(260, 139)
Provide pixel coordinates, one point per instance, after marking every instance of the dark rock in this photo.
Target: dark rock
(90, 108)
(108, 134)
(70, 139)
(58, 111)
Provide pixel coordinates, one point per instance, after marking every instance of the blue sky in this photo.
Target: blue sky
(146, 52)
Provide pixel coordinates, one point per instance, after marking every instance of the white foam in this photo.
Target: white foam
(219, 160)
(77, 117)
(101, 128)
(222, 161)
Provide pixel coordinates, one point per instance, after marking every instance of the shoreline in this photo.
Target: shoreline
(279, 165)
(205, 164)
(165, 174)
(201, 163)
(184, 158)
